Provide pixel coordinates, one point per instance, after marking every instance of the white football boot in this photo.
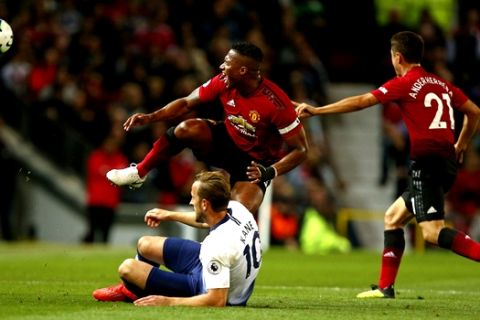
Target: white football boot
(126, 177)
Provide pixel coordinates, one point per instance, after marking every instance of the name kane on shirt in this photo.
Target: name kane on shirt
(247, 228)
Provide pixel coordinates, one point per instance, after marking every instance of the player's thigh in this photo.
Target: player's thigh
(194, 132)
(249, 194)
(181, 255)
(151, 248)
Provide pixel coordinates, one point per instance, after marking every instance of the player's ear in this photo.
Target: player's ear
(243, 70)
(398, 56)
(204, 204)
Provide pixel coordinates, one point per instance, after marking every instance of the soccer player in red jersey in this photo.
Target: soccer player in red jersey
(427, 103)
(261, 136)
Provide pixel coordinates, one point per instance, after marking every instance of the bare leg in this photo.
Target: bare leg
(249, 194)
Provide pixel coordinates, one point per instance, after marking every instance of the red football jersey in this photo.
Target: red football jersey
(426, 102)
(257, 122)
(100, 192)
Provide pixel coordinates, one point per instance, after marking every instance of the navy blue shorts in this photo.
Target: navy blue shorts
(185, 278)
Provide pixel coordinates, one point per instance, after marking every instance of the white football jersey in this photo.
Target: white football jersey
(231, 254)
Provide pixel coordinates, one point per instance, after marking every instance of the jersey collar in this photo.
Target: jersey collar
(225, 219)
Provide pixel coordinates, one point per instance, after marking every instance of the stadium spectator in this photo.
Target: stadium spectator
(285, 214)
(426, 102)
(318, 234)
(259, 120)
(395, 145)
(102, 197)
(394, 23)
(219, 271)
(43, 74)
(9, 170)
(463, 199)
(466, 53)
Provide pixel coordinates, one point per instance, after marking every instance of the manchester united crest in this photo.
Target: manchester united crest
(254, 116)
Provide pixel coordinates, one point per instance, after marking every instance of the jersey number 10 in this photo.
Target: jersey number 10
(251, 254)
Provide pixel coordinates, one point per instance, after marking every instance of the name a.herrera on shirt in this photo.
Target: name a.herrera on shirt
(422, 81)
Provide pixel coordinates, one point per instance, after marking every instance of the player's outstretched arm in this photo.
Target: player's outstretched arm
(350, 104)
(154, 217)
(213, 298)
(303, 109)
(173, 110)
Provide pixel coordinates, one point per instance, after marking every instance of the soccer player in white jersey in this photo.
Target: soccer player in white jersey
(220, 271)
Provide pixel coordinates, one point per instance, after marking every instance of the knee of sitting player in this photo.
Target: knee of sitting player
(145, 245)
(125, 269)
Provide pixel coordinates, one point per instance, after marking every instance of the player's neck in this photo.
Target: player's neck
(409, 67)
(214, 218)
(250, 86)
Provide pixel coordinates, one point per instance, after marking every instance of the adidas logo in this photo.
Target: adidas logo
(231, 103)
(431, 210)
(389, 254)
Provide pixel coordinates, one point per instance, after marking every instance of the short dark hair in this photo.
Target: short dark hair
(215, 187)
(409, 44)
(248, 49)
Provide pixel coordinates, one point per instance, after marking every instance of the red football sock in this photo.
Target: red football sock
(158, 153)
(391, 257)
(460, 243)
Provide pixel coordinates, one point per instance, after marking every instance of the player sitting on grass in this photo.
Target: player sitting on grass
(219, 271)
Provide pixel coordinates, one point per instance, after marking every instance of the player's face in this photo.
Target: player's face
(196, 202)
(231, 68)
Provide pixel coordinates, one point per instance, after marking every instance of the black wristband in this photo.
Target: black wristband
(266, 173)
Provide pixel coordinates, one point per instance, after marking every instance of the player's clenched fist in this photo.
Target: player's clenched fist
(154, 217)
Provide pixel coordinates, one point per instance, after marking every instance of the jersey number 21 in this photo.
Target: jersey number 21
(437, 123)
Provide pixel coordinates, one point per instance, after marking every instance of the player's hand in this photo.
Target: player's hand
(459, 152)
(137, 119)
(303, 110)
(257, 173)
(152, 301)
(154, 217)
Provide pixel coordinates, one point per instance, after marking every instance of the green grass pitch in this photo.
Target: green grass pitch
(45, 281)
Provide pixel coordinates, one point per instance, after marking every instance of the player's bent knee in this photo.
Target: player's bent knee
(391, 222)
(125, 269)
(145, 244)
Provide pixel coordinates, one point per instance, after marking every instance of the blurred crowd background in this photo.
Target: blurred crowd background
(79, 68)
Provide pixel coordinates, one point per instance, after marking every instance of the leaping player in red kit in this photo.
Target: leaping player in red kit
(427, 103)
(261, 136)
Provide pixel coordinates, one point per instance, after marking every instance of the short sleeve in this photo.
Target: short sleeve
(211, 89)
(216, 274)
